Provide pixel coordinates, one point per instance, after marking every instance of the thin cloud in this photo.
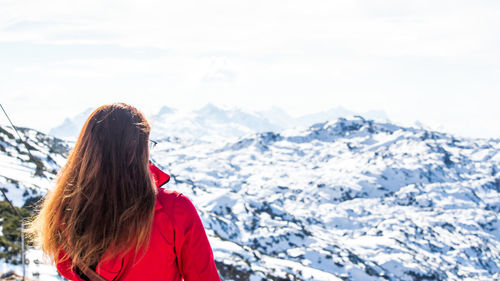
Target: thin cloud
(405, 57)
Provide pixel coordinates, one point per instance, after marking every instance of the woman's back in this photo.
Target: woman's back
(106, 213)
(178, 248)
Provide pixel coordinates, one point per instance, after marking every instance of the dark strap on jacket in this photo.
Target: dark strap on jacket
(91, 274)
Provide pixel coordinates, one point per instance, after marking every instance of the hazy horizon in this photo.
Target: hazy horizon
(380, 116)
(435, 62)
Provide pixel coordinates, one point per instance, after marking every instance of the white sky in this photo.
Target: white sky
(433, 61)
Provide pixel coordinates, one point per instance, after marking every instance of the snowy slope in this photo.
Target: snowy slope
(349, 199)
(23, 177)
(352, 198)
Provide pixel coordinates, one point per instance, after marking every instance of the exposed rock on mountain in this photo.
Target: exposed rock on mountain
(347, 199)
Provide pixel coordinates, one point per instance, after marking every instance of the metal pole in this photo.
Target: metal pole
(22, 250)
(17, 132)
(22, 231)
(23, 256)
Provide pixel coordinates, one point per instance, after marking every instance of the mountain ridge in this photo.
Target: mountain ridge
(345, 199)
(213, 122)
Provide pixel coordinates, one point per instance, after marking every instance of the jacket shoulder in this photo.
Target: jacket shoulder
(165, 199)
(175, 204)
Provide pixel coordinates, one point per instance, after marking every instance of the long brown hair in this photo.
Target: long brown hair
(104, 196)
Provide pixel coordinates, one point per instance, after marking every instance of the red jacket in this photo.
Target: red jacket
(179, 247)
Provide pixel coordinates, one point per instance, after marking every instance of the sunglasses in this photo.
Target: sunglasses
(152, 144)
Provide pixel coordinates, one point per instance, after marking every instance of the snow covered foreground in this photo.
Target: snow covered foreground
(349, 199)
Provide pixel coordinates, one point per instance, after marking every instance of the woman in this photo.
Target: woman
(107, 215)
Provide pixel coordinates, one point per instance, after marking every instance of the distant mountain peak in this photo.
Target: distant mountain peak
(210, 108)
(165, 110)
(212, 121)
(318, 202)
(71, 126)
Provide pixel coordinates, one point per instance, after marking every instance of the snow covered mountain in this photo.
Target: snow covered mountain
(25, 178)
(332, 114)
(209, 123)
(348, 199)
(212, 123)
(22, 175)
(71, 127)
